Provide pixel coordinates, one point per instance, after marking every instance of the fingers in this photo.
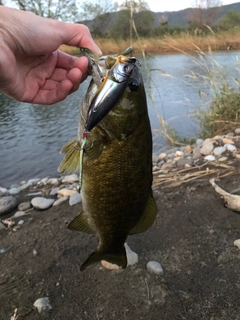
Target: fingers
(78, 35)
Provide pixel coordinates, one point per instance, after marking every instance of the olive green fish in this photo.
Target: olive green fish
(114, 158)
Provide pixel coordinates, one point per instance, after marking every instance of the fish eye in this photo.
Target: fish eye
(133, 84)
(127, 68)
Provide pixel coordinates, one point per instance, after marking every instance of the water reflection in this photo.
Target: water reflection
(32, 135)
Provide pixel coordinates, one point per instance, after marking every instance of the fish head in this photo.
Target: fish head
(116, 80)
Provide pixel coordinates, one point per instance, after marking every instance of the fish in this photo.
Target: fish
(113, 155)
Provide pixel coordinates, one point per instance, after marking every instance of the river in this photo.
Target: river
(32, 135)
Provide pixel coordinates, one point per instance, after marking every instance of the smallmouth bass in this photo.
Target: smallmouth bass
(113, 153)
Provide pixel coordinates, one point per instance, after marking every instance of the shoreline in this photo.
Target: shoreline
(186, 44)
(171, 167)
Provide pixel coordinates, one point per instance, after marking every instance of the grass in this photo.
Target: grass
(184, 42)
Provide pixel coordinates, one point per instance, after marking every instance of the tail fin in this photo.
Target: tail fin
(118, 258)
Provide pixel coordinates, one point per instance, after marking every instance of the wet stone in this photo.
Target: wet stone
(7, 204)
(42, 203)
(24, 206)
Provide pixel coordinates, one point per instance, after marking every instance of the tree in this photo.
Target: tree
(135, 5)
(98, 15)
(204, 13)
(93, 9)
(230, 20)
(63, 10)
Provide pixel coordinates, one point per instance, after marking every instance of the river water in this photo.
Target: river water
(32, 135)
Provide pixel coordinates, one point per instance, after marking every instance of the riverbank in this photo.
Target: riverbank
(168, 44)
(193, 239)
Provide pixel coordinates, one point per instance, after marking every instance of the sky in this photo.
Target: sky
(174, 5)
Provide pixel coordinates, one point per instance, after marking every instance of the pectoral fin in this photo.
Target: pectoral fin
(93, 148)
(80, 223)
(148, 217)
(71, 161)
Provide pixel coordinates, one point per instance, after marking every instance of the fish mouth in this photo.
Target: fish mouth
(110, 91)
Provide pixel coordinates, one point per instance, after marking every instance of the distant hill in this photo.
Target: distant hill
(179, 18)
(182, 17)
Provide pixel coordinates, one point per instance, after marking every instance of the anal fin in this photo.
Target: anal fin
(147, 218)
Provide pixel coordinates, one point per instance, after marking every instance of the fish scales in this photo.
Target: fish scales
(117, 172)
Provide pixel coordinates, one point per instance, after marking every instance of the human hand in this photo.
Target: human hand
(32, 68)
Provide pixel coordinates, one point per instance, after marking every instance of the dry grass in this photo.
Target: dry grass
(184, 42)
(181, 176)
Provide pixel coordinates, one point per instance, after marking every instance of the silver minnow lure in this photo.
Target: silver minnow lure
(110, 92)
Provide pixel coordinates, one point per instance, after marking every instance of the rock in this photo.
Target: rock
(188, 149)
(227, 141)
(7, 204)
(54, 191)
(132, 257)
(222, 159)
(24, 186)
(75, 198)
(154, 267)
(207, 148)
(210, 157)
(237, 243)
(33, 181)
(14, 191)
(179, 154)
(66, 192)
(162, 156)
(42, 304)
(60, 200)
(19, 214)
(167, 166)
(44, 180)
(41, 203)
(109, 265)
(155, 158)
(2, 226)
(33, 194)
(218, 151)
(24, 206)
(2, 250)
(20, 222)
(199, 142)
(70, 178)
(53, 181)
(230, 147)
(197, 154)
(183, 161)
(3, 191)
(237, 131)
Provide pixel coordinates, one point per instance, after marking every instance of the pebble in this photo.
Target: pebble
(218, 151)
(54, 191)
(33, 194)
(237, 243)
(2, 226)
(33, 181)
(207, 148)
(70, 178)
(210, 157)
(237, 131)
(14, 191)
(60, 200)
(7, 204)
(42, 304)
(24, 206)
(230, 147)
(21, 222)
(74, 199)
(154, 267)
(132, 257)
(3, 191)
(66, 192)
(53, 181)
(24, 186)
(2, 250)
(41, 203)
(19, 214)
